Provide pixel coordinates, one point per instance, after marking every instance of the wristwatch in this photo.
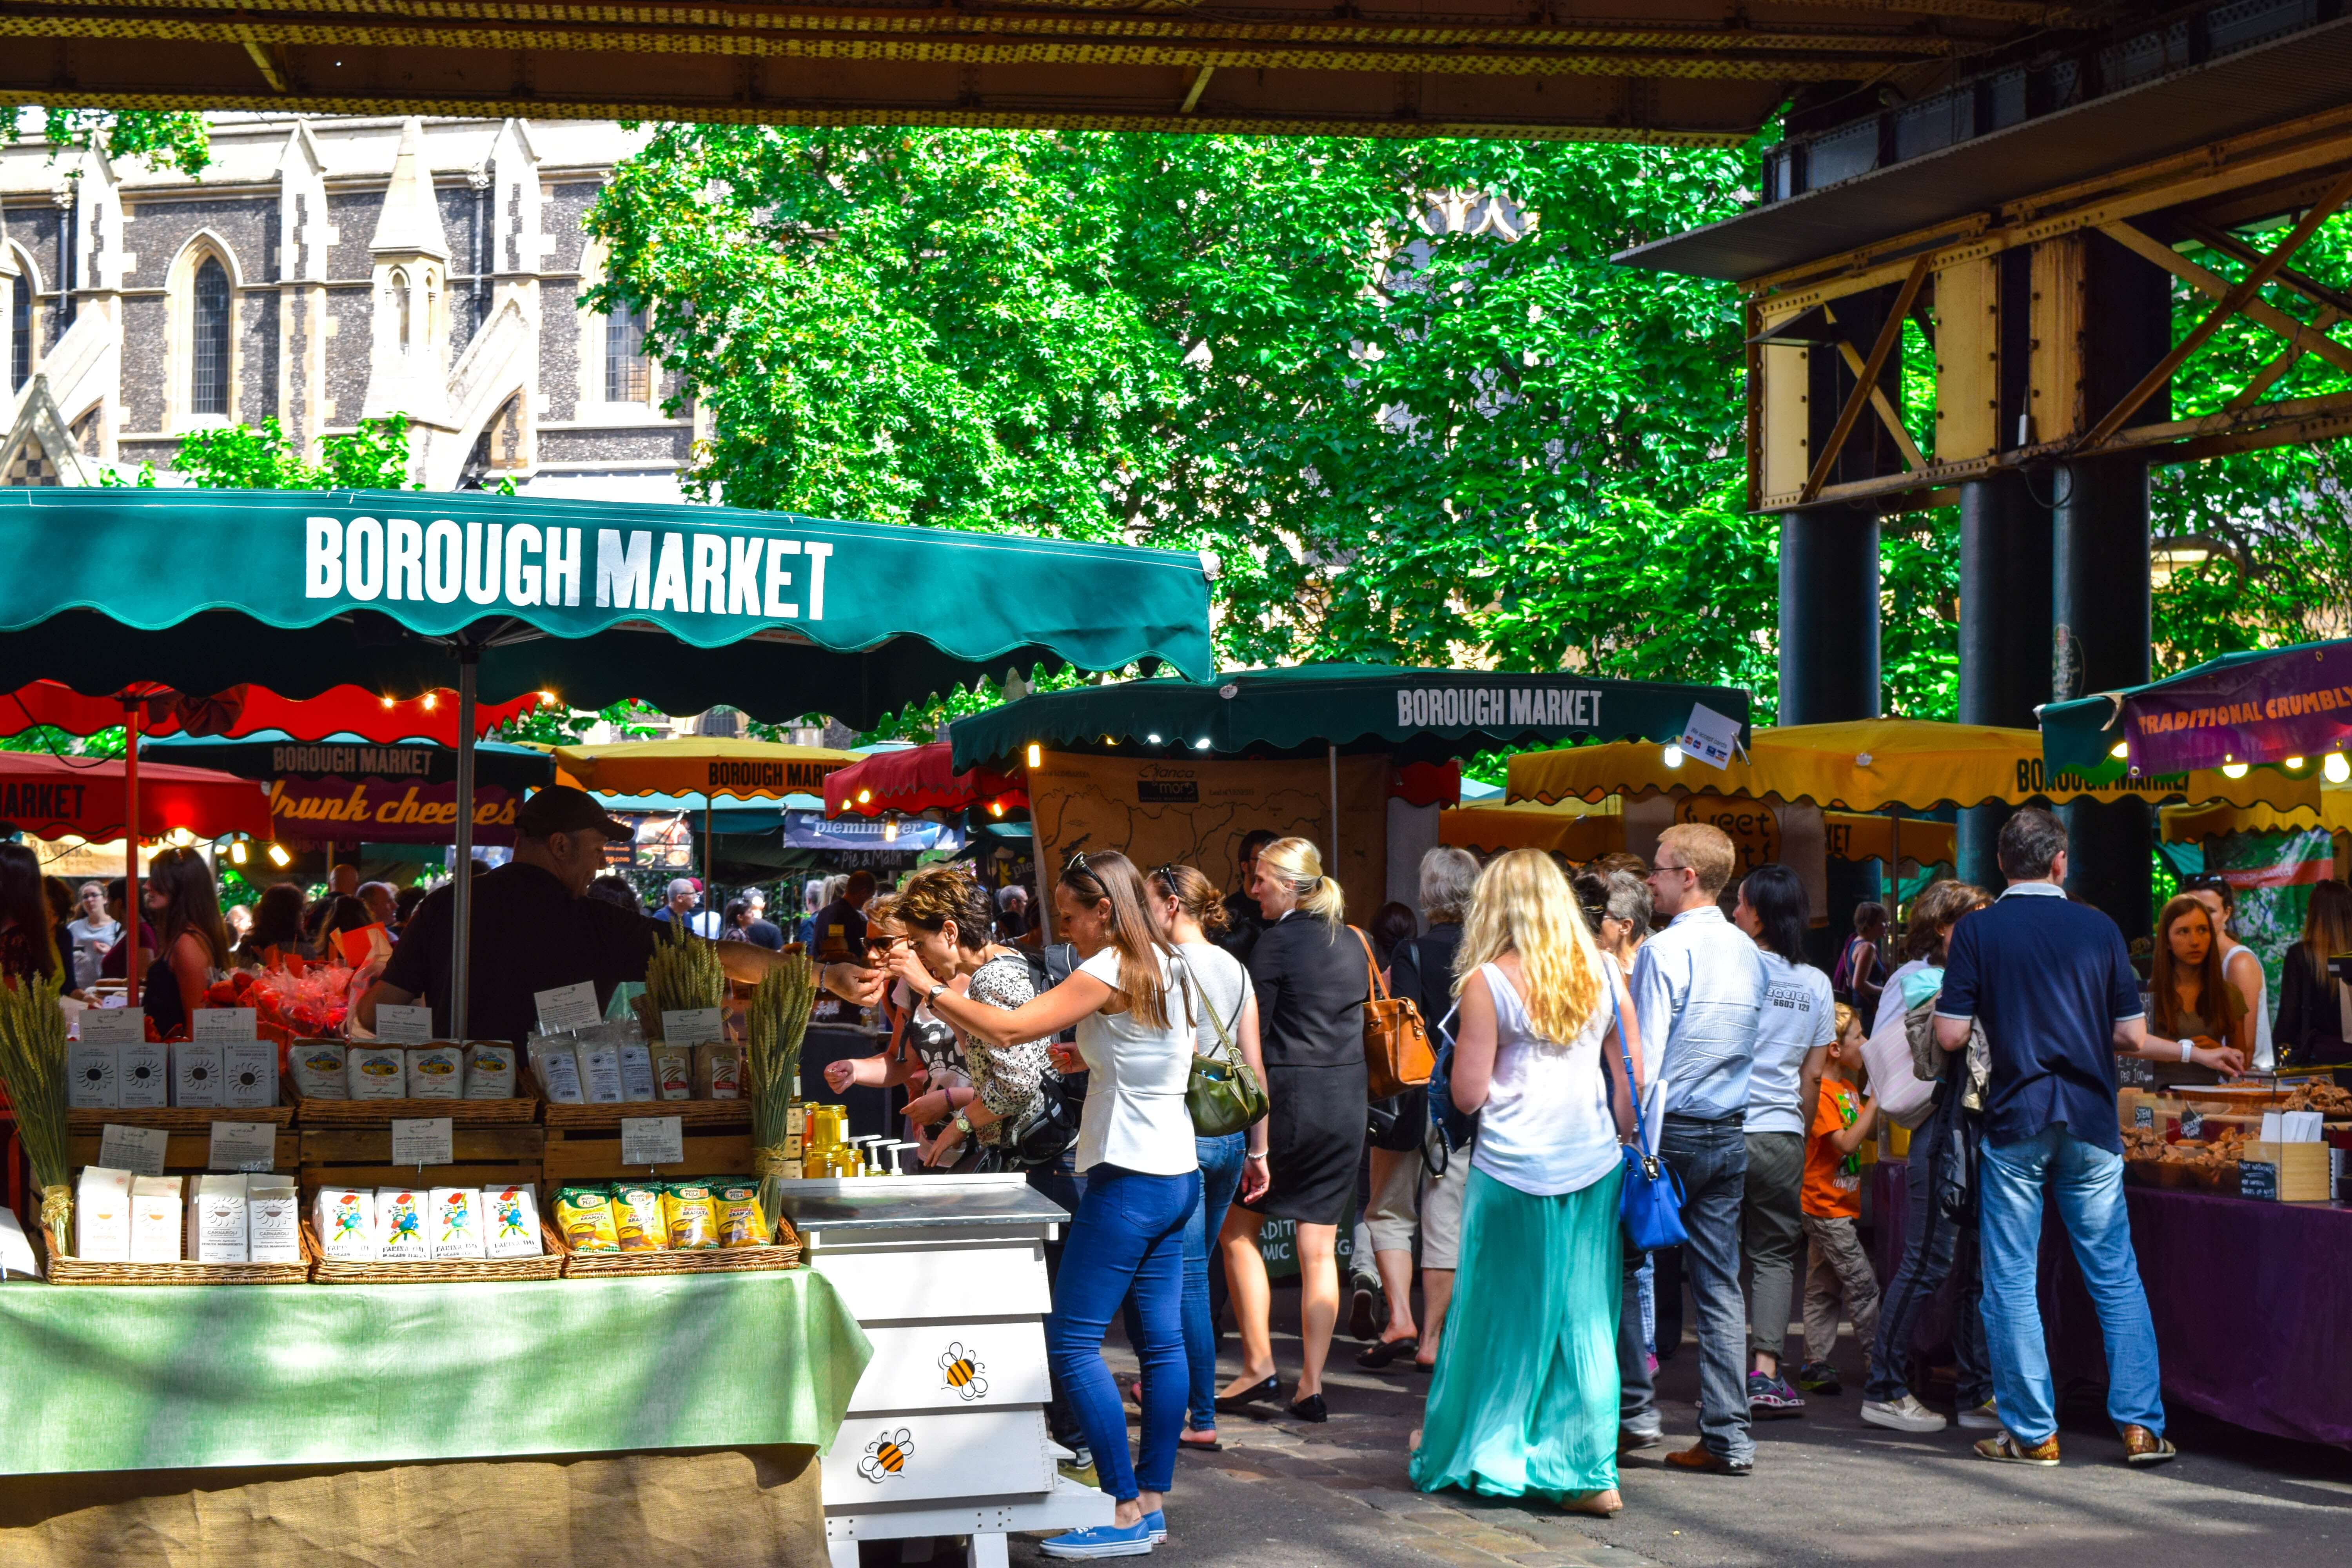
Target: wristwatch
(963, 1124)
(933, 993)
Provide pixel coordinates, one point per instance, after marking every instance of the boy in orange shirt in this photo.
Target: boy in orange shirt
(1831, 1202)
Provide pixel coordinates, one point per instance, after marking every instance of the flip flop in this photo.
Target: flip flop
(1211, 1447)
(1379, 1355)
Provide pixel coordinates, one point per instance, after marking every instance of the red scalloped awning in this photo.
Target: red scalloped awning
(920, 778)
(1427, 783)
(250, 710)
(50, 797)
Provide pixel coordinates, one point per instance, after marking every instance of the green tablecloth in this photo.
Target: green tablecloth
(112, 1378)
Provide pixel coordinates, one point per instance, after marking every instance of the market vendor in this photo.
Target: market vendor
(534, 928)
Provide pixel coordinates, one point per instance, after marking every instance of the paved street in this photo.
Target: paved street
(1826, 1488)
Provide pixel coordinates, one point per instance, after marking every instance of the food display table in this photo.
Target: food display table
(2249, 1300)
(946, 1431)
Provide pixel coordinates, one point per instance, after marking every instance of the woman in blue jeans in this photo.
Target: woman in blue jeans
(1142, 1178)
(1214, 990)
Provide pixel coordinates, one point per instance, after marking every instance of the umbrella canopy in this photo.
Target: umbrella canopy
(1585, 831)
(253, 711)
(1871, 765)
(919, 778)
(50, 797)
(2240, 708)
(1415, 715)
(682, 606)
(2329, 805)
(703, 765)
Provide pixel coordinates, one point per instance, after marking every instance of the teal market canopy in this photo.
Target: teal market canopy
(1414, 715)
(682, 606)
(2265, 705)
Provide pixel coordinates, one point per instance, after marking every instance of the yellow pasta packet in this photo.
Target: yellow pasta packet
(692, 1215)
(740, 1223)
(584, 1215)
(637, 1217)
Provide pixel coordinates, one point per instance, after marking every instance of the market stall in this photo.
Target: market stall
(344, 788)
(574, 1343)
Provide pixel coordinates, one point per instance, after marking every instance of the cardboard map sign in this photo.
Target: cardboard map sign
(1195, 813)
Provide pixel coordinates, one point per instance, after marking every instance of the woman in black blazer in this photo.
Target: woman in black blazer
(1312, 977)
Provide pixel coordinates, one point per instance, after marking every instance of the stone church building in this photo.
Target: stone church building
(324, 270)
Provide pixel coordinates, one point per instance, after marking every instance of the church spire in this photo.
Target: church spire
(410, 222)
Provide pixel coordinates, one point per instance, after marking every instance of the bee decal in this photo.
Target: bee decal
(963, 1372)
(886, 1456)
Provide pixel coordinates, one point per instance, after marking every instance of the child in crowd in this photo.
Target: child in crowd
(1831, 1201)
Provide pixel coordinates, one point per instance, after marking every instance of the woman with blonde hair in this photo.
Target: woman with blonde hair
(1525, 1397)
(1312, 976)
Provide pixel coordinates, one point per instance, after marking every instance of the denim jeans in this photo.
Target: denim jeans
(1934, 1250)
(1128, 1235)
(1220, 1178)
(2088, 1183)
(1710, 1158)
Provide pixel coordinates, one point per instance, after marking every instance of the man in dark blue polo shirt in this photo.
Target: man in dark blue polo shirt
(2052, 982)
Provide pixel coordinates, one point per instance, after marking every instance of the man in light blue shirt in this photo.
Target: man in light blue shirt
(1699, 991)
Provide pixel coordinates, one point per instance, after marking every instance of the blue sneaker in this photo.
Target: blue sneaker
(1157, 1520)
(1103, 1540)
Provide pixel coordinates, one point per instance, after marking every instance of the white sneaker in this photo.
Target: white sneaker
(1903, 1414)
(1983, 1419)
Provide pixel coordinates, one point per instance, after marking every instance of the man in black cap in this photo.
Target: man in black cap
(533, 929)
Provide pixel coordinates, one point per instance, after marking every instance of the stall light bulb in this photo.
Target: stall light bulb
(1201, 745)
(865, 797)
(547, 697)
(1671, 756)
(1153, 739)
(237, 853)
(996, 808)
(388, 702)
(182, 837)
(2334, 768)
(279, 857)
(431, 697)
(1036, 755)
(2295, 762)
(2121, 750)
(890, 831)
(2233, 770)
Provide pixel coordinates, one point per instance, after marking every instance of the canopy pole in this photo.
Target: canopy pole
(131, 910)
(1331, 867)
(461, 894)
(709, 864)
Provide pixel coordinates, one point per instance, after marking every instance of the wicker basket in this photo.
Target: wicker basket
(325, 1271)
(368, 1113)
(68, 1270)
(785, 1253)
(176, 1118)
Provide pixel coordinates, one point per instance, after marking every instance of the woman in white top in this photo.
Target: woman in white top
(2242, 966)
(1525, 1397)
(1142, 1178)
(1792, 1045)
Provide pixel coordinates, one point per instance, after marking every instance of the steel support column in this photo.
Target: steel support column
(2101, 641)
(1829, 650)
(2005, 592)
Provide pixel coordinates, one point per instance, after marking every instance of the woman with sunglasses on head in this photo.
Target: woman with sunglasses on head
(192, 942)
(1142, 1176)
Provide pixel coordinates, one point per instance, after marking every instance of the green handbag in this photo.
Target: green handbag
(1221, 1094)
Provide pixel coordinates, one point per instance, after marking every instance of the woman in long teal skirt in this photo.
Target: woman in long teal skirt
(1525, 1397)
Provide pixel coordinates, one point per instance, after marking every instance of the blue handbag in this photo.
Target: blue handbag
(1651, 1201)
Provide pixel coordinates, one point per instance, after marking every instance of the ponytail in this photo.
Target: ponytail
(1196, 894)
(1300, 865)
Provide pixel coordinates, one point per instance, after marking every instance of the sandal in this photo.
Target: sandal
(1382, 1353)
(1211, 1447)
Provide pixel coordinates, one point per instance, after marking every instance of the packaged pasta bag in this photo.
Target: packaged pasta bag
(740, 1223)
(693, 1216)
(637, 1217)
(584, 1215)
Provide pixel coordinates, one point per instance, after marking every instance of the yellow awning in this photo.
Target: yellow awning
(701, 764)
(1868, 836)
(1578, 830)
(2188, 823)
(1869, 765)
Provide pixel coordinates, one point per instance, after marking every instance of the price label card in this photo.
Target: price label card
(138, 1150)
(568, 1007)
(652, 1140)
(403, 1026)
(422, 1142)
(223, 1024)
(2192, 1124)
(243, 1146)
(115, 1027)
(1709, 736)
(691, 1025)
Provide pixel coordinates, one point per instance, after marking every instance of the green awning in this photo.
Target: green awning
(1416, 715)
(272, 754)
(682, 606)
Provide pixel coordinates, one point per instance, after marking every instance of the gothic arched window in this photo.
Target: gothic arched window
(208, 340)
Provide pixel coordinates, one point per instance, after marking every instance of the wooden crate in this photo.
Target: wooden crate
(176, 1118)
(362, 1157)
(185, 1154)
(594, 1153)
(2302, 1169)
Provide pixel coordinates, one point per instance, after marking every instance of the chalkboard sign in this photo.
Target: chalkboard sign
(2143, 1116)
(2192, 1124)
(2258, 1179)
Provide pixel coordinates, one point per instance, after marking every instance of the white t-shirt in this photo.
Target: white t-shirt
(1546, 1127)
(2266, 1056)
(1221, 988)
(1135, 1116)
(1800, 1014)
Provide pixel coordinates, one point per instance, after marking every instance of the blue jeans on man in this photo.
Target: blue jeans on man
(1710, 1159)
(2088, 1183)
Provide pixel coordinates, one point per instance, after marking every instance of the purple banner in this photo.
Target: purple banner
(2293, 704)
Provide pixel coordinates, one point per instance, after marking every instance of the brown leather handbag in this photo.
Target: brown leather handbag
(1396, 1038)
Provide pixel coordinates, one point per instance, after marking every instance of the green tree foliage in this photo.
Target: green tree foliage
(260, 458)
(1398, 387)
(166, 140)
